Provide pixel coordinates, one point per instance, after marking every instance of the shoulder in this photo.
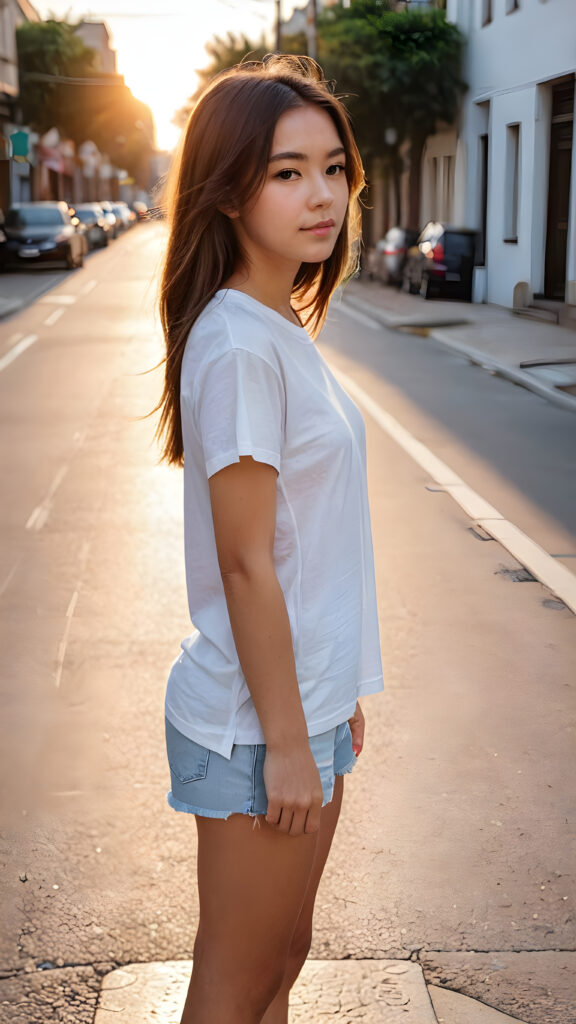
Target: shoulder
(227, 328)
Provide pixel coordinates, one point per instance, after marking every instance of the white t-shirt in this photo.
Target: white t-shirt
(253, 383)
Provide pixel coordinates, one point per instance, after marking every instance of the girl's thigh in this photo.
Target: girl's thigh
(252, 882)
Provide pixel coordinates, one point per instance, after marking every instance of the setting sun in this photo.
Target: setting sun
(158, 52)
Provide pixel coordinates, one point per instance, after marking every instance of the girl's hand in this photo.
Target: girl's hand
(357, 726)
(294, 790)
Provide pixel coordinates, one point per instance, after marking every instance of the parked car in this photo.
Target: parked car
(140, 209)
(441, 262)
(124, 215)
(98, 229)
(389, 255)
(42, 232)
(114, 221)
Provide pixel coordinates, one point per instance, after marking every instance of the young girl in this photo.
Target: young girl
(262, 713)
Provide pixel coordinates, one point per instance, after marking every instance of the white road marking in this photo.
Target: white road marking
(64, 641)
(556, 577)
(40, 514)
(17, 350)
(87, 288)
(58, 300)
(53, 317)
(84, 551)
(70, 612)
(362, 318)
(9, 577)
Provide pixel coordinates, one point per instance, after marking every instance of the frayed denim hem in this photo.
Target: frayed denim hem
(178, 805)
(349, 768)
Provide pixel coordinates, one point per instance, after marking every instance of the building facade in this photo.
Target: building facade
(509, 167)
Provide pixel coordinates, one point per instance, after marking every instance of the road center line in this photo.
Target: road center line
(50, 320)
(64, 641)
(9, 577)
(556, 577)
(17, 350)
(58, 300)
(88, 287)
(39, 515)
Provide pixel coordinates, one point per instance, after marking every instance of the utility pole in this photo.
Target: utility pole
(278, 27)
(312, 29)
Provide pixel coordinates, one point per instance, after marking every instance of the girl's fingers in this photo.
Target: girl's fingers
(285, 822)
(273, 812)
(357, 726)
(312, 820)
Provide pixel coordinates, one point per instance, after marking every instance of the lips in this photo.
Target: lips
(320, 225)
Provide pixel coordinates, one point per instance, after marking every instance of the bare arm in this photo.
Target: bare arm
(243, 498)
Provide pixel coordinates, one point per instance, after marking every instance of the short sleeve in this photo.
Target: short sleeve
(240, 410)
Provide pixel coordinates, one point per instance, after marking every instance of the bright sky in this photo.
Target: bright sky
(159, 50)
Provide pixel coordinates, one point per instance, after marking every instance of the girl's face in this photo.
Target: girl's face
(297, 216)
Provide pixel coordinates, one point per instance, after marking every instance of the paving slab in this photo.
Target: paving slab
(454, 1008)
(532, 986)
(341, 992)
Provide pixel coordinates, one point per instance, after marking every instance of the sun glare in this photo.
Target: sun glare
(159, 49)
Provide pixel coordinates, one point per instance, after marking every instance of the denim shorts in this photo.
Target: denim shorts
(206, 783)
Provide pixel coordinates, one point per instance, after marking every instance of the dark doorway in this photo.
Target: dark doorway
(559, 188)
(483, 198)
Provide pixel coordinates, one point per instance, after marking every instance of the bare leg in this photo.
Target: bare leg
(252, 883)
(277, 1012)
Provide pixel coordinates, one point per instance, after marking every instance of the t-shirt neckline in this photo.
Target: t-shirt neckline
(278, 318)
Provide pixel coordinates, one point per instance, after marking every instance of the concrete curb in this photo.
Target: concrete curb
(445, 337)
(516, 375)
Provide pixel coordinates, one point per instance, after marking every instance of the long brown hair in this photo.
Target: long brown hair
(222, 163)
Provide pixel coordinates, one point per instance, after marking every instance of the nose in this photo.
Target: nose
(321, 193)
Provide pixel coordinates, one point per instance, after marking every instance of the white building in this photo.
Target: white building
(509, 167)
(97, 35)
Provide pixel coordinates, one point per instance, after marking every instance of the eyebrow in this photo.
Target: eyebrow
(303, 156)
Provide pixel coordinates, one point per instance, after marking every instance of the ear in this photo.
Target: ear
(229, 212)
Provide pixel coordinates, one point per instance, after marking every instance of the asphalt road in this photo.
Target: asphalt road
(454, 847)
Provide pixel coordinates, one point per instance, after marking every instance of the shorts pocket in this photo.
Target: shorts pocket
(188, 760)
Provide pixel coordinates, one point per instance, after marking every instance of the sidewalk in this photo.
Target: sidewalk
(368, 991)
(538, 355)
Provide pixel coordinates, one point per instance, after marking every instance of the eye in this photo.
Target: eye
(285, 175)
(335, 169)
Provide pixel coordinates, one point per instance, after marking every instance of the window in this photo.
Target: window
(512, 183)
(512, 5)
(486, 12)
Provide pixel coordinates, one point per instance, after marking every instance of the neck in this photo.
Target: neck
(270, 285)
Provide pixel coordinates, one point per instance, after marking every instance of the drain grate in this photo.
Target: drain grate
(519, 575)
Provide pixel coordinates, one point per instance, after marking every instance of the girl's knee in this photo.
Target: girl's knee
(236, 984)
(300, 946)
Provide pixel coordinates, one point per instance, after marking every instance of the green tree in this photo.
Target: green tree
(401, 73)
(48, 50)
(61, 88)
